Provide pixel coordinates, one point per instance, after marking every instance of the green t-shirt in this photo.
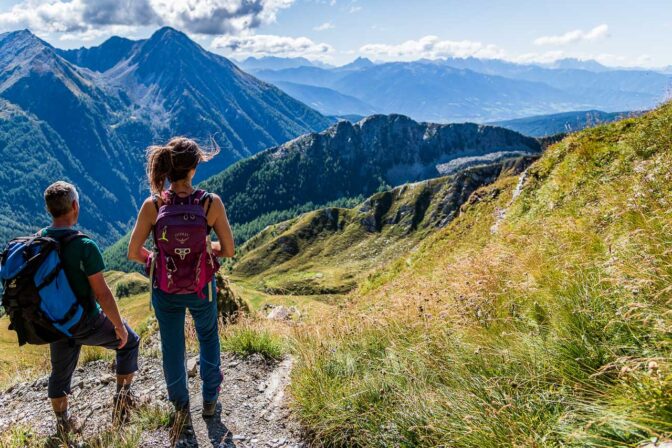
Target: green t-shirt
(81, 258)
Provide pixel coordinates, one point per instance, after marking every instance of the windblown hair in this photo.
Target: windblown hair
(173, 161)
(59, 197)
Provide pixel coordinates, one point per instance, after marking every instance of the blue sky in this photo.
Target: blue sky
(616, 32)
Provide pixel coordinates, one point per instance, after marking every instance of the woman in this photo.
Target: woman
(182, 266)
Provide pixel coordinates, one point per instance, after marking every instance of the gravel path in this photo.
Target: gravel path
(252, 412)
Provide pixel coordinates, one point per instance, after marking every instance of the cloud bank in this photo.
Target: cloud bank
(92, 17)
(265, 45)
(431, 47)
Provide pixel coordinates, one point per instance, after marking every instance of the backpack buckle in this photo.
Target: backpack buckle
(182, 252)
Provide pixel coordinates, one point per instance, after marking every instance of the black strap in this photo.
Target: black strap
(208, 197)
(67, 239)
(50, 276)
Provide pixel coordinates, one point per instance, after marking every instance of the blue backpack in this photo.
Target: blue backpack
(37, 297)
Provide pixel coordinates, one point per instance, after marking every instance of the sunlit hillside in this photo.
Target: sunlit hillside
(550, 327)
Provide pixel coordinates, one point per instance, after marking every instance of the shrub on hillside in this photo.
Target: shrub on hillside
(131, 286)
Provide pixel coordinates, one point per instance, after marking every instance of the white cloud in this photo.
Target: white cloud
(598, 32)
(431, 47)
(89, 17)
(325, 26)
(270, 45)
(353, 9)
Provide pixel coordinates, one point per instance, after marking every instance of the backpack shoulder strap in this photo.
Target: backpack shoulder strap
(70, 237)
(155, 201)
(207, 197)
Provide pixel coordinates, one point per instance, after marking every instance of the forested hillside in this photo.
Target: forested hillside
(349, 160)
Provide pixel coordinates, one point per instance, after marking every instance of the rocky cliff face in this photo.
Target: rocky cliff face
(348, 160)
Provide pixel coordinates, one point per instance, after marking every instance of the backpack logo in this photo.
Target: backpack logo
(12, 284)
(163, 234)
(182, 237)
(182, 252)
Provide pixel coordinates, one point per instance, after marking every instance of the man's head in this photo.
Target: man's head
(62, 201)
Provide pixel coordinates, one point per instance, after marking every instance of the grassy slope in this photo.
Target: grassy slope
(330, 251)
(554, 331)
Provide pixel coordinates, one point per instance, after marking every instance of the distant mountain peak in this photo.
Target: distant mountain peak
(168, 34)
(25, 51)
(360, 62)
(22, 39)
(167, 31)
(102, 57)
(167, 52)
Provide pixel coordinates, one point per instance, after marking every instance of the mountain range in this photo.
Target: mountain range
(93, 111)
(471, 89)
(562, 123)
(344, 164)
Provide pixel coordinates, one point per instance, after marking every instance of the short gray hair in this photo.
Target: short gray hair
(59, 197)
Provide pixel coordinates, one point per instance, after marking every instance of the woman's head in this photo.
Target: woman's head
(175, 161)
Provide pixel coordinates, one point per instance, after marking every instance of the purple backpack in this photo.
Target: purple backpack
(182, 261)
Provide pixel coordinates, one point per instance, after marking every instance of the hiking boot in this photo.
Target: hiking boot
(66, 425)
(124, 402)
(209, 408)
(180, 425)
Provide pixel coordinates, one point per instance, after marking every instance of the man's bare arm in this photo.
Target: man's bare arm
(106, 300)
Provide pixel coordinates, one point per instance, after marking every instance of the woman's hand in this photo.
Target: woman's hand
(216, 249)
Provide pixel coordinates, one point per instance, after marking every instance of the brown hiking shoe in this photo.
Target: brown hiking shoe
(67, 425)
(124, 402)
(209, 409)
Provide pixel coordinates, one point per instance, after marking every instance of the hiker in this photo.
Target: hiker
(182, 266)
(92, 320)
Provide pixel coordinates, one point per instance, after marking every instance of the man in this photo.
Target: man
(101, 325)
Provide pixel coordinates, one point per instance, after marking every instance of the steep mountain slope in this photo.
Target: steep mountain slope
(67, 99)
(33, 155)
(349, 160)
(330, 250)
(170, 79)
(538, 317)
(566, 122)
(125, 96)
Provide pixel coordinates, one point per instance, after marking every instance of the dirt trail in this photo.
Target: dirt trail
(252, 412)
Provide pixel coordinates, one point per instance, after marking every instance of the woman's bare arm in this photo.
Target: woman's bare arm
(143, 226)
(220, 223)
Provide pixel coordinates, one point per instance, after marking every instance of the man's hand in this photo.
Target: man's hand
(106, 301)
(122, 335)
